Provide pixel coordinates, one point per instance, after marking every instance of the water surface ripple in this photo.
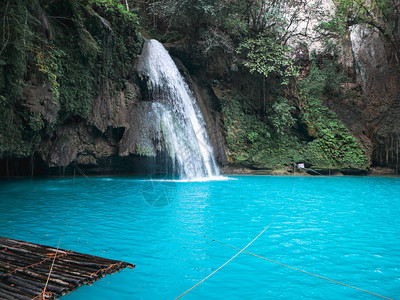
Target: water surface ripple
(343, 228)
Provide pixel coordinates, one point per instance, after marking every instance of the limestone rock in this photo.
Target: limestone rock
(76, 142)
(143, 131)
(113, 111)
(41, 100)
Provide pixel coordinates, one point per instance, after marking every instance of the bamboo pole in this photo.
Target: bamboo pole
(24, 269)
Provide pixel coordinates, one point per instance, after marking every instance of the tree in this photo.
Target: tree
(266, 55)
(383, 15)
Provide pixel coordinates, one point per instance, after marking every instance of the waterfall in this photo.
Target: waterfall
(181, 122)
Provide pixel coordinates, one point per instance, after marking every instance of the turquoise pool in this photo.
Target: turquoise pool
(343, 228)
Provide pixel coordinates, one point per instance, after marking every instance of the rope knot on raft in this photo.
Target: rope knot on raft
(40, 272)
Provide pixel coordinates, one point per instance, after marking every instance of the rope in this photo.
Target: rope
(32, 265)
(51, 268)
(233, 257)
(293, 268)
(106, 269)
(80, 171)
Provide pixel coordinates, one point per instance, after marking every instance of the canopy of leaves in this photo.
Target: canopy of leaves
(265, 55)
(382, 15)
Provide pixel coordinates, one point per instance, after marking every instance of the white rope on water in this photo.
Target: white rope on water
(233, 257)
(296, 269)
(264, 258)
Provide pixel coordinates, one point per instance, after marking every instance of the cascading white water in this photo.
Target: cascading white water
(182, 124)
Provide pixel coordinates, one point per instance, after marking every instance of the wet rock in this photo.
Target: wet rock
(41, 100)
(76, 142)
(113, 111)
(377, 74)
(142, 133)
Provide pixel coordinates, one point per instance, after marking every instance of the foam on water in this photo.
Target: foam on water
(182, 124)
(202, 179)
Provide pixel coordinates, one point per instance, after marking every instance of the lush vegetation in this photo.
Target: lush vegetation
(78, 50)
(287, 120)
(380, 15)
(253, 142)
(332, 145)
(278, 140)
(71, 51)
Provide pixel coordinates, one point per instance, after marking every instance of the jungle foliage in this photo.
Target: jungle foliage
(332, 144)
(380, 15)
(255, 31)
(73, 49)
(277, 140)
(291, 125)
(78, 50)
(254, 142)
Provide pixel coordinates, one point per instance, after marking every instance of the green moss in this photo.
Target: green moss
(276, 141)
(333, 145)
(144, 150)
(252, 141)
(87, 48)
(245, 133)
(108, 42)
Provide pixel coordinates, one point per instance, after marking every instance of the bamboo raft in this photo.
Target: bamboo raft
(25, 267)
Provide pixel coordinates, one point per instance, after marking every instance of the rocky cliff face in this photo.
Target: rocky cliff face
(67, 87)
(372, 113)
(379, 77)
(112, 129)
(121, 134)
(98, 144)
